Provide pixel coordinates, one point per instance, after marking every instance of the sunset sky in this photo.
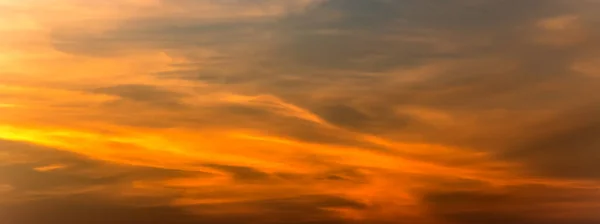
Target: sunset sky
(300, 111)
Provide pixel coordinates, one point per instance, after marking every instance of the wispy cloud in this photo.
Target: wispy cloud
(49, 168)
(300, 111)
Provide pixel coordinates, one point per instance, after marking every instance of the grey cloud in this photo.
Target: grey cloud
(301, 55)
(24, 179)
(311, 202)
(166, 33)
(241, 173)
(454, 198)
(541, 76)
(90, 210)
(363, 42)
(350, 174)
(144, 93)
(360, 35)
(256, 117)
(294, 210)
(344, 116)
(78, 173)
(468, 86)
(378, 118)
(475, 217)
(540, 79)
(520, 205)
(565, 146)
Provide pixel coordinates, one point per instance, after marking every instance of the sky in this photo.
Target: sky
(299, 111)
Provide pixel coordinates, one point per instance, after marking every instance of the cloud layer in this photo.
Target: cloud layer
(300, 111)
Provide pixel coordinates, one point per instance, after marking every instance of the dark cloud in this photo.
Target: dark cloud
(520, 205)
(241, 173)
(93, 211)
(565, 146)
(145, 94)
(344, 116)
(465, 197)
(370, 118)
(381, 35)
(75, 172)
(90, 207)
(345, 174)
(362, 36)
(504, 31)
(473, 217)
(274, 123)
(310, 202)
(171, 34)
(300, 210)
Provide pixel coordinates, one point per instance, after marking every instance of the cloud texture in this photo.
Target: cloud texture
(300, 111)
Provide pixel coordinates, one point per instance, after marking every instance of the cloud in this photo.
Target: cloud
(96, 210)
(60, 196)
(241, 173)
(144, 94)
(519, 204)
(29, 176)
(329, 111)
(67, 211)
(5, 188)
(564, 146)
(558, 23)
(49, 168)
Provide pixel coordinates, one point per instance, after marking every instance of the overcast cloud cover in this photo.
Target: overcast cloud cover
(300, 111)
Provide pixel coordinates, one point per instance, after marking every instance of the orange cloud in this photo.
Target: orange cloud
(327, 111)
